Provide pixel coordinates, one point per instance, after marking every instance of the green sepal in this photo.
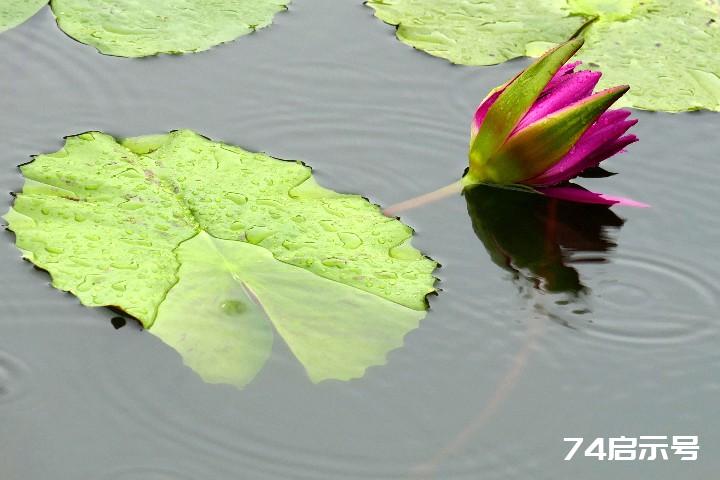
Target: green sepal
(515, 101)
(543, 143)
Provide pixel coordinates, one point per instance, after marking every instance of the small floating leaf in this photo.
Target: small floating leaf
(15, 12)
(135, 28)
(667, 50)
(210, 275)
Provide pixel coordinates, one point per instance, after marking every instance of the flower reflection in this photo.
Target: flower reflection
(537, 238)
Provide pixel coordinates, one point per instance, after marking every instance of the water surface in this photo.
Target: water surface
(499, 371)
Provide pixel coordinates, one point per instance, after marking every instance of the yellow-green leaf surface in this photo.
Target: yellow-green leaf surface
(211, 247)
(471, 32)
(15, 12)
(667, 50)
(139, 28)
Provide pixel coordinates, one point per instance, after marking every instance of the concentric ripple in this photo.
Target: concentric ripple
(644, 299)
(389, 123)
(639, 302)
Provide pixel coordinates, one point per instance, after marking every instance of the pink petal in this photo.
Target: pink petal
(612, 116)
(566, 69)
(605, 152)
(601, 141)
(570, 89)
(482, 111)
(574, 193)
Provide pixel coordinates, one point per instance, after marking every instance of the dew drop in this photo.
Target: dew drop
(257, 234)
(328, 226)
(334, 262)
(236, 198)
(290, 245)
(350, 240)
(233, 307)
(55, 250)
(405, 252)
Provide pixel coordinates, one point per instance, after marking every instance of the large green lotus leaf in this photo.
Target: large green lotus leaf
(139, 28)
(208, 245)
(15, 12)
(472, 32)
(667, 50)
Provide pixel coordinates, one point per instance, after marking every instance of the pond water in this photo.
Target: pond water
(501, 369)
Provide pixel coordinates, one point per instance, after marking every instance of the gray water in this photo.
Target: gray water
(499, 371)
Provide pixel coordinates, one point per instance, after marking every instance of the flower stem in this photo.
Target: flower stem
(439, 194)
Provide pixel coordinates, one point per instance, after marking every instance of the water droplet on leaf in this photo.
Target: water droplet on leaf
(236, 198)
(350, 240)
(257, 234)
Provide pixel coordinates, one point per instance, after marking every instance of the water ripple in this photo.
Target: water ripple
(639, 302)
(212, 420)
(633, 302)
(82, 87)
(14, 378)
(343, 158)
(383, 121)
(146, 473)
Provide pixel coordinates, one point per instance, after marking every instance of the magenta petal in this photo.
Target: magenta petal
(559, 78)
(566, 69)
(482, 111)
(572, 88)
(574, 193)
(606, 151)
(598, 143)
(574, 164)
(612, 116)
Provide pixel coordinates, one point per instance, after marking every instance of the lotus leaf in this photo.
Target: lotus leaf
(208, 245)
(667, 50)
(15, 12)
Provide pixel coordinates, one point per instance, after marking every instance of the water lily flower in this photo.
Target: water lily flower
(546, 127)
